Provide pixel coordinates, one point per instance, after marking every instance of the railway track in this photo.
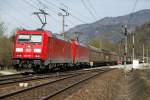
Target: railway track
(51, 88)
(14, 84)
(8, 77)
(26, 77)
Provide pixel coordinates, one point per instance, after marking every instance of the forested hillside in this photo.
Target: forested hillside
(142, 36)
(110, 27)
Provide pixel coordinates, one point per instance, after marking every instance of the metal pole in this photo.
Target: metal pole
(133, 51)
(125, 50)
(63, 23)
(147, 54)
(63, 20)
(100, 46)
(133, 47)
(143, 53)
(125, 55)
(122, 49)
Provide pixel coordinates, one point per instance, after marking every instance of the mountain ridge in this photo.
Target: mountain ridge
(110, 27)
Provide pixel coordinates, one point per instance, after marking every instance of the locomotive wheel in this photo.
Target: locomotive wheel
(36, 68)
(17, 67)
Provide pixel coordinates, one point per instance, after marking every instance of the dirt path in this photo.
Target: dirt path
(112, 86)
(145, 76)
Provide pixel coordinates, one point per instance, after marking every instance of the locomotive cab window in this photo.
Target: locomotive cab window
(23, 38)
(30, 38)
(36, 38)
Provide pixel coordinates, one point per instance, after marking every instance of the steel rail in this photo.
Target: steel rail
(7, 95)
(28, 78)
(72, 85)
(14, 76)
(36, 86)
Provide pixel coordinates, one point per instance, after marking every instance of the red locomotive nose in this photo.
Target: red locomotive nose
(28, 45)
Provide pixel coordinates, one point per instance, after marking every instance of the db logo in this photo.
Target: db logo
(28, 50)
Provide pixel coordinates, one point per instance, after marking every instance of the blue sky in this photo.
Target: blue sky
(18, 13)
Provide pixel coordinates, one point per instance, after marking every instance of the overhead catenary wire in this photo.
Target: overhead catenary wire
(16, 20)
(73, 10)
(87, 8)
(35, 7)
(133, 10)
(30, 4)
(51, 3)
(18, 10)
(47, 7)
(94, 10)
(54, 10)
(75, 17)
(126, 24)
(57, 8)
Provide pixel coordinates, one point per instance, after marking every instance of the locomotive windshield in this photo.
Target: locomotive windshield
(23, 38)
(30, 38)
(36, 38)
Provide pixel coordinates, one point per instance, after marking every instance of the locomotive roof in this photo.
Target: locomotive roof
(61, 36)
(24, 31)
(49, 33)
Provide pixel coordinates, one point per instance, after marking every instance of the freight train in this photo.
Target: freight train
(40, 49)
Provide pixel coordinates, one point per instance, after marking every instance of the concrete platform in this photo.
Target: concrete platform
(129, 66)
(7, 72)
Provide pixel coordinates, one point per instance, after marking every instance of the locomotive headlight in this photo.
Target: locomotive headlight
(37, 50)
(18, 55)
(19, 49)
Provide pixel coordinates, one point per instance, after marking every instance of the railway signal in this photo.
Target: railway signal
(124, 27)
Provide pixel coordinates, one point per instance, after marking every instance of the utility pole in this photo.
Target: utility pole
(63, 20)
(147, 55)
(100, 43)
(125, 54)
(121, 47)
(77, 36)
(133, 47)
(133, 50)
(125, 32)
(143, 53)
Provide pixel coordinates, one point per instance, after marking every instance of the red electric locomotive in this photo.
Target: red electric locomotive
(39, 49)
